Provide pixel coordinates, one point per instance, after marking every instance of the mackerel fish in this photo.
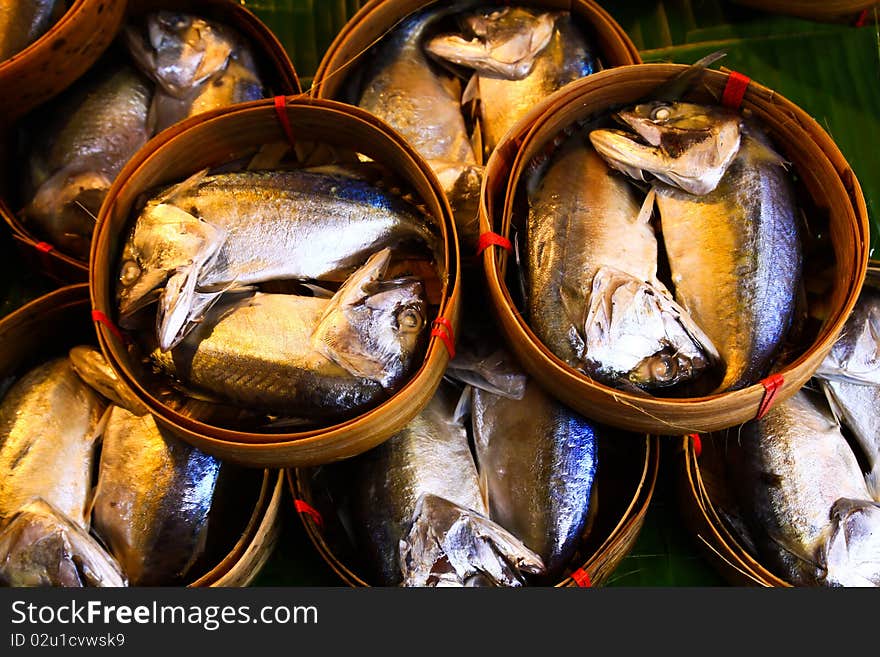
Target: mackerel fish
(537, 460)
(520, 56)
(213, 232)
(50, 422)
(809, 506)
(296, 355)
(152, 500)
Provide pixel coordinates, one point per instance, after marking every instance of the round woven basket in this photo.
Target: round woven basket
(51, 63)
(242, 535)
(837, 11)
(624, 488)
(377, 17)
(229, 135)
(272, 61)
(827, 185)
(704, 487)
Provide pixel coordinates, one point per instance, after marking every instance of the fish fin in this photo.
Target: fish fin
(762, 151)
(676, 87)
(471, 93)
(833, 405)
(269, 156)
(647, 209)
(872, 481)
(182, 187)
(463, 407)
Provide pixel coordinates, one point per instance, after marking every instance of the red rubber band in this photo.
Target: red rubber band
(582, 578)
(442, 328)
(492, 239)
(100, 317)
(283, 119)
(862, 19)
(45, 247)
(735, 90)
(697, 442)
(772, 385)
(312, 512)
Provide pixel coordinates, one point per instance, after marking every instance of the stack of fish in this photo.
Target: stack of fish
(499, 62)
(172, 66)
(501, 499)
(24, 21)
(728, 230)
(144, 522)
(206, 250)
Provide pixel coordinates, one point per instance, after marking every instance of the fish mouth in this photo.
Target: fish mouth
(627, 152)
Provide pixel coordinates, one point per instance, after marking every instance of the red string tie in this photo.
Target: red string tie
(101, 318)
(45, 247)
(304, 507)
(283, 119)
(697, 443)
(735, 90)
(442, 328)
(772, 385)
(582, 578)
(492, 239)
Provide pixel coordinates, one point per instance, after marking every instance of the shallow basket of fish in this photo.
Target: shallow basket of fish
(792, 499)
(359, 539)
(452, 77)
(48, 44)
(765, 246)
(341, 235)
(168, 61)
(80, 435)
(837, 11)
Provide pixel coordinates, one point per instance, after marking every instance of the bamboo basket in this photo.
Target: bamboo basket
(242, 535)
(704, 487)
(838, 11)
(51, 63)
(625, 483)
(275, 68)
(230, 134)
(827, 184)
(377, 17)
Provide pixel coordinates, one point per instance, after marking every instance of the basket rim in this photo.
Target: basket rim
(264, 109)
(505, 161)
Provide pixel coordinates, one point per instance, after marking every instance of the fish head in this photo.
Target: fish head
(164, 240)
(852, 552)
(682, 144)
(67, 206)
(179, 51)
(502, 42)
(374, 327)
(634, 332)
(449, 545)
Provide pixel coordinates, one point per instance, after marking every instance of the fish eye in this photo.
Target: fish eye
(130, 272)
(661, 113)
(663, 369)
(410, 320)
